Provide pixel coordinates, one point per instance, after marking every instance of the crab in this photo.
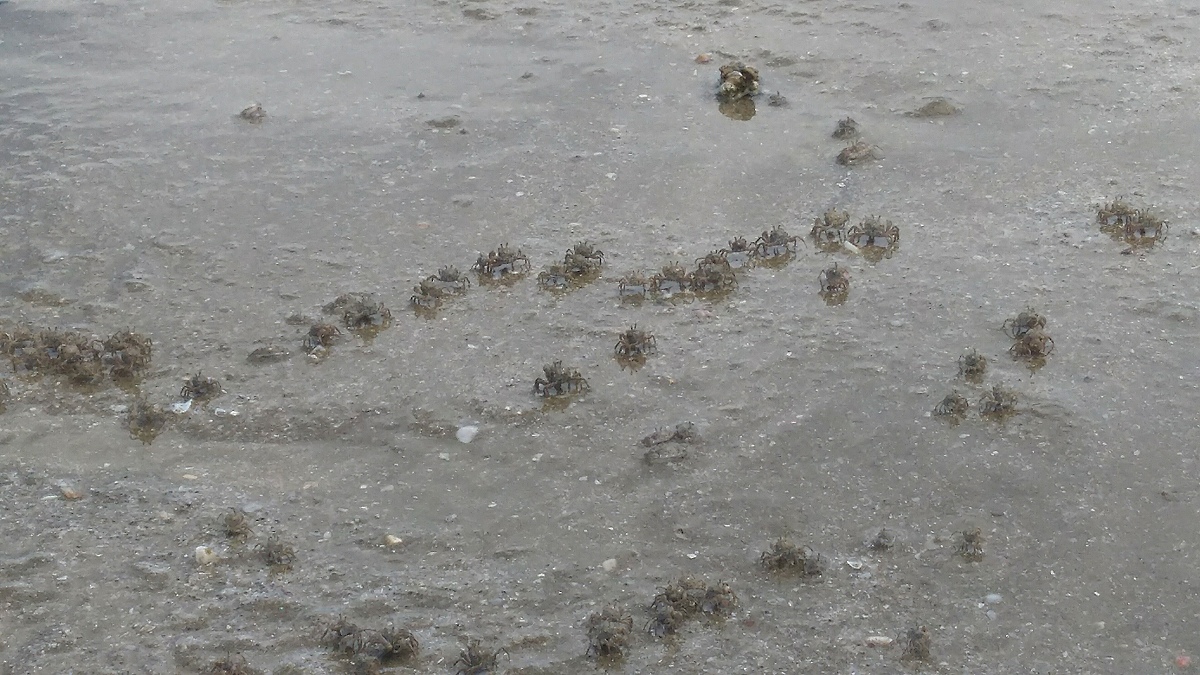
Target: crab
(785, 556)
(917, 643)
(829, 229)
(1034, 344)
(883, 540)
(586, 250)
(268, 354)
(970, 545)
(666, 620)
(633, 286)
(954, 405)
(559, 381)
(687, 595)
(236, 524)
(737, 81)
(739, 253)
(711, 279)
(277, 554)
(775, 244)
(835, 281)
(997, 402)
(608, 632)
(253, 113)
(684, 432)
(450, 280)
(874, 232)
(719, 600)
(320, 336)
(635, 343)
(846, 129)
(233, 664)
(1016, 327)
(199, 388)
(716, 260)
(502, 262)
(145, 421)
(474, 660)
(555, 278)
(127, 354)
(427, 295)
(363, 313)
(672, 279)
(858, 152)
(972, 365)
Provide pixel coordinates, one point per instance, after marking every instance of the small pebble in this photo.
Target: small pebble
(205, 555)
(993, 598)
(70, 493)
(609, 565)
(466, 434)
(392, 540)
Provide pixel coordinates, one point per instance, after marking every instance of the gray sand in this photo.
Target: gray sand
(132, 196)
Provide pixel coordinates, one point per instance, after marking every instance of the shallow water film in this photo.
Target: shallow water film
(536, 337)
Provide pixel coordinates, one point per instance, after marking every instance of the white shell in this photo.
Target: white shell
(205, 555)
(879, 641)
(180, 407)
(466, 434)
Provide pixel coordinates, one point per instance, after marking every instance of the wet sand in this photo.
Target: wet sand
(399, 139)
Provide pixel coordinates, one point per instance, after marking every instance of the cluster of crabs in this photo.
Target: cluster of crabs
(81, 359)
(1031, 343)
(1135, 226)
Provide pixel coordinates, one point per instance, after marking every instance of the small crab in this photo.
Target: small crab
(555, 278)
(835, 280)
(503, 261)
(1017, 326)
(685, 595)
(672, 279)
(684, 432)
(715, 260)
(380, 645)
(363, 313)
(738, 81)
(997, 401)
(846, 129)
(450, 280)
(874, 232)
(970, 545)
(719, 600)
(236, 524)
(427, 296)
(635, 343)
(785, 556)
(883, 540)
(829, 229)
(474, 660)
(277, 554)
(954, 405)
(739, 253)
(859, 152)
(775, 244)
(1118, 212)
(1034, 344)
(608, 632)
(320, 336)
(145, 421)
(268, 354)
(127, 354)
(200, 389)
(253, 113)
(589, 251)
(917, 643)
(711, 279)
(666, 620)
(234, 664)
(559, 380)
(633, 286)
(972, 365)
